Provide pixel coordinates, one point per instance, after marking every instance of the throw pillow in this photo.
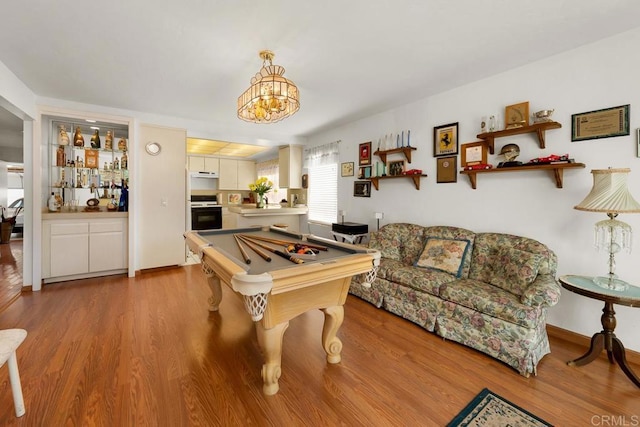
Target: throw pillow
(443, 254)
(514, 270)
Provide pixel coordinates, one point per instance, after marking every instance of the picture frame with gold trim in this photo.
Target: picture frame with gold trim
(473, 153)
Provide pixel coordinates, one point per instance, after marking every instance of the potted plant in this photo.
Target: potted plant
(261, 187)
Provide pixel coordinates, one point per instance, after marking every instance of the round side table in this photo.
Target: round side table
(606, 339)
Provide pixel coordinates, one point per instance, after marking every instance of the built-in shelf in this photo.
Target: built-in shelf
(557, 170)
(415, 178)
(538, 128)
(404, 150)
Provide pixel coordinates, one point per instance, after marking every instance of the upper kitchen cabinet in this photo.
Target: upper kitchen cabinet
(204, 164)
(236, 174)
(290, 166)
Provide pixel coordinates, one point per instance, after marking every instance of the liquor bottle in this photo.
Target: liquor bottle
(106, 166)
(124, 161)
(60, 157)
(95, 139)
(122, 144)
(52, 203)
(108, 141)
(63, 137)
(113, 205)
(78, 139)
(123, 206)
(116, 164)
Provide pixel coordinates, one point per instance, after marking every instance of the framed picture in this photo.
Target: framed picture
(445, 140)
(447, 169)
(516, 115)
(473, 153)
(346, 169)
(362, 189)
(234, 198)
(364, 172)
(396, 167)
(364, 154)
(600, 123)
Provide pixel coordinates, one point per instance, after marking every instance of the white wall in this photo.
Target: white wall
(600, 75)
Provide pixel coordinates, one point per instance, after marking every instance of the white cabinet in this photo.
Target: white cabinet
(290, 166)
(204, 164)
(83, 247)
(236, 174)
(246, 174)
(229, 219)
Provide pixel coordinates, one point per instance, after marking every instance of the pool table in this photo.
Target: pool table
(277, 291)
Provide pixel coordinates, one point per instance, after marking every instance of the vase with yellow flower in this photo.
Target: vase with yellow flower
(261, 187)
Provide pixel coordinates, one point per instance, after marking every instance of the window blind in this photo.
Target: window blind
(323, 193)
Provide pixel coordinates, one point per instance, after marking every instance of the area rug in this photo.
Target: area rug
(490, 410)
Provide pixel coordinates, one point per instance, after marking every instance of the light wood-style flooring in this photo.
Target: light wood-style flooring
(146, 352)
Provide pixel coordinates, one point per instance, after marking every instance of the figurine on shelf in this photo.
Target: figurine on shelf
(78, 139)
(61, 158)
(63, 137)
(122, 144)
(124, 161)
(108, 141)
(95, 139)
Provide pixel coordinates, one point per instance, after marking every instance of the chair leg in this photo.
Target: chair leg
(16, 387)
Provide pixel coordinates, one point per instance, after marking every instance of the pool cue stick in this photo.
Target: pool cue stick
(288, 242)
(256, 249)
(291, 258)
(245, 255)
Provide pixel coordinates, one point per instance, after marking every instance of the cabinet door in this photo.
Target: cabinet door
(69, 249)
(228, 179)
(107, 245)
(196, 164)
(211, 164)
(246, 174)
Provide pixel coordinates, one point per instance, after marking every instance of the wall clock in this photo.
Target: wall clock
(516, 115)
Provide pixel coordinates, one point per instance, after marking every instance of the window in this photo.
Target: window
(271, 170)
(321, 163)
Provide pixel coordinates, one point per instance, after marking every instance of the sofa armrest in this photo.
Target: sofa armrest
(543, 291)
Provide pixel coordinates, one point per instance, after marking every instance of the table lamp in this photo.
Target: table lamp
(611, 196)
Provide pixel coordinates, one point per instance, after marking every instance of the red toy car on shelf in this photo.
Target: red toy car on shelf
(550, 159)
(413, 172)
(478, 167)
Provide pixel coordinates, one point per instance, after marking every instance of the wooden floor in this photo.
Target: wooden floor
(10, 271)
(145, 351)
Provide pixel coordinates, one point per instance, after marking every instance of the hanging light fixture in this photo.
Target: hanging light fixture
(271, 97)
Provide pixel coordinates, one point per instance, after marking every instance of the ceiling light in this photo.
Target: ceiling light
(271, 97)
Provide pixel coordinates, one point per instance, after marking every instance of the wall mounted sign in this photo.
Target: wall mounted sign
(603, 123)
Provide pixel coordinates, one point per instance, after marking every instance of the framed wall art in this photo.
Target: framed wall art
(362, 189)
(603, 123)
(364, 154)
(447, 169)
(516, 115)
(396, 167)
(473, 153)
(445, 140)
(346, 169)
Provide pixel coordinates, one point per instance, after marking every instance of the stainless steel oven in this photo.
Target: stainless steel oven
(206, 214)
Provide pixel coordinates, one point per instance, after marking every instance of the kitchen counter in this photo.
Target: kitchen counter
(247, 210)
(247, 215)
(103, 213)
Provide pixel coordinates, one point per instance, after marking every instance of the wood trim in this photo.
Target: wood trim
(27, 288)
(584, 341)
(155, 269)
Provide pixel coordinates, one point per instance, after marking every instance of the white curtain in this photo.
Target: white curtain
(321, 155)
(271, 169)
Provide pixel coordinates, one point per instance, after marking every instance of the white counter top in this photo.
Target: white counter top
(271, 210)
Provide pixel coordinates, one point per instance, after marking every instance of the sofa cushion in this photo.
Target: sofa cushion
(421, 279)
(513, 270)
(398, 241)
(492, 301)
(443, 254)
(457, 233)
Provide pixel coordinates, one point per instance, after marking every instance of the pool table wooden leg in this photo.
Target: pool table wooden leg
(333, 317)
(270, 341)
(216, 289)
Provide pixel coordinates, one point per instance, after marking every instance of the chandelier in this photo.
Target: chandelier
(271, 97)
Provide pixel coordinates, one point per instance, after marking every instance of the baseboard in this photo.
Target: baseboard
(156, 269)
(27, 288)
(583, 341)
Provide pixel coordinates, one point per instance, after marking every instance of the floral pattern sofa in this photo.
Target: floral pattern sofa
(488, 291)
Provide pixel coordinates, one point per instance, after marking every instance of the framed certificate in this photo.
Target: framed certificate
(600, 123)
(91, 159)
(474, 153)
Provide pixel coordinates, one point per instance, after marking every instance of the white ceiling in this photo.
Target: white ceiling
(350, 59)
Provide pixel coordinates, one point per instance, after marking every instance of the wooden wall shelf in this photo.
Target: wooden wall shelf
(557, 170)
(404, 150)
(538, 128)
(375, 180)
